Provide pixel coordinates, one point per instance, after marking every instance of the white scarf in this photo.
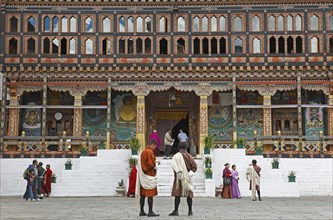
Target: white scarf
(146, 181)
(178, 165)
(255, 180)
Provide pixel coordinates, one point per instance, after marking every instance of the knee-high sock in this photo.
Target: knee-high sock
(177, 202)
(142, 203)
(150, 204)
(258, 191)
(189, 203)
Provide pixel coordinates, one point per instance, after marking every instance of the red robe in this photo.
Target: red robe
(148, 163)
(47, 181)
(132, 182)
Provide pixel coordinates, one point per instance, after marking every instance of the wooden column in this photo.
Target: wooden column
(267, 116)
(44, 113)
(234, 111)
(141, 120)
(77, 120)
(13, 120)
(108, 120)
(330, 116)
(203, 123)
(3, 111)
(299, 107)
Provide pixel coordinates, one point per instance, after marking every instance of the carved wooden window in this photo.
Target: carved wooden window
(180, 24)
(287, 125)
(13, 24)
(46, 46)
(314, 45)
(256, 45)
(299, 45)
(139, 27)
(205, 46)
(147, 24)
(122, 46)
(255, 23)
(89, 24)
(222, 23)
(31, 46)
(196, 24)
(314, 26)
(31, 24)
(130, 45)
(278, 125)
(290, 45)
(12, 46)
(55, 46)
(130, 24)
(331, 22)
(89, 47)
(213, 24)
(121, 24)
(106, 46)
(298, 23)
(181, 46)
(213, 46)
(55, 24)
(204, 25)
(64, 24)
(196, 46)
(47, 24)
(238, 24)
(73, 23)
(289, 23)
(331, 45)
(139, 46)
(271, 23)
(63, 46)
(163, 24)
(272, 45)
(163, 46)
(281, 45)
(72, 46)
(280, 23)
(147, 46)
(238, 45)
(107, 25)
(223, 46)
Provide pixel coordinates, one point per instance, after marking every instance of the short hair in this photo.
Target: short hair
(233, 166)
(152, 142)
(34, 161)
(182, 145)
(40, 163)
(254, 162)
(48, 165)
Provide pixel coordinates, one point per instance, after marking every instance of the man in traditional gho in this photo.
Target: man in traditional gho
(253, 175)
(146, 183)
(184, 168)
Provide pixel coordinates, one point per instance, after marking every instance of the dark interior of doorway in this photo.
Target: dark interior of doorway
(182, 124)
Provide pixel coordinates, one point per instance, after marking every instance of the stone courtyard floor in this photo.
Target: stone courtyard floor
(203, 208)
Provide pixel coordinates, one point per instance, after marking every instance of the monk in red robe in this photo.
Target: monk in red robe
(47, 181)
(146, 185)
(132, 182)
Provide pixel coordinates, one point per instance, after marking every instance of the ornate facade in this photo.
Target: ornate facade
(96, 73)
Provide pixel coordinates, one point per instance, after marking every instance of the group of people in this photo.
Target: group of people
(230, 181)
(38, 181)
(184, 168)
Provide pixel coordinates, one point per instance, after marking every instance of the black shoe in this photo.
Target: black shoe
(143, 214)
(260, 199)
(190, 213)
(152, 214)
(174, 213)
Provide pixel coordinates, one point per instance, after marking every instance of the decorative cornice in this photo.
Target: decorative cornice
(266, 90)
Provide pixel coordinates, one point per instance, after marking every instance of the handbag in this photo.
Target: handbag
(226, 181)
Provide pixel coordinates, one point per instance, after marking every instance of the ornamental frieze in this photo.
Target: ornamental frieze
(21, 89)
(266, 90)
(78, 90)
(324, 88)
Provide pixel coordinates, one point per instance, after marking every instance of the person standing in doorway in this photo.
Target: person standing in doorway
(146, 183)
(184, 168)
(235, 189)
(253, 176)
(168, 142)
(182, 137)
(154, 136)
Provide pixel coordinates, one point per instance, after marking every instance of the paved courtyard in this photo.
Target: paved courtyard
(203, 208)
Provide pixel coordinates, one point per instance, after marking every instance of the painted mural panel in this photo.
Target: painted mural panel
(314, 121)
(248, 121)
(31, 120)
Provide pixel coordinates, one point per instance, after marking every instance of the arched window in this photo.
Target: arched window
(89, 46)
(331, 45)
(238, 45)
(31, 46)
(55, 46)
(47, 24)
(139, 47)
(289, 23)
(298, 23)
(299, 45)
(46, 46)
(63, 44)
(287, 125)
(213, 24)
(196, 24)
(223, 46)
(196, 46)
(331, 22)
(55, 24)
(130, 24)
(205, 46)
(163, 46)
(64, 24)
(89, 24)
(271, 21)
(255, 23)
(72, 27)
(180, 46)
(180, 24)
(106, 25)
(12, 46)
(222, 23)
(72, 47)
(121, 46)
(280, 23)
(256, 45)
(204, 26)
(278, 125)
(238, 24)
(290, 45)
(147, 46)
(213, 46)
(31, 24)
(281, 45)
(121, 24)
(314, 45)
(272, 45)
(139, 24)
(13, 24)
(147, 24)
(130, 45)
(314, 23)
(106, 46)
(163, 24)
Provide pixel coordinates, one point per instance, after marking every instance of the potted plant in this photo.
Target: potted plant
(258, 150)
(292, 176)
(240, 142)
(132, 161)
(208, 161)
(53, 178)
(68, 164)
(84, 151)
(275, 163)
(209, 143)
(135, 146)
(120, 189)
(209, 173)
